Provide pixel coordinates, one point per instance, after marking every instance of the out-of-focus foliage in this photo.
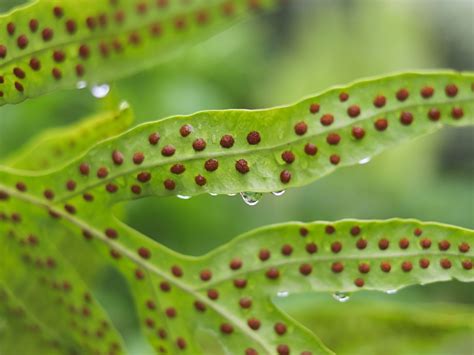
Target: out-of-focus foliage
(92, 41)
(364, 325)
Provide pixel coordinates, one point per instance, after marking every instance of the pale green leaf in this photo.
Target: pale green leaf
(55, 147)
(49, 45)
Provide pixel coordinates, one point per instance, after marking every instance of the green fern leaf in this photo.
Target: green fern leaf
(56, 147)
(223, 300)
(50, 45)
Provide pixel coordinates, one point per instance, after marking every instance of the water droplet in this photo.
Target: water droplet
(100, 91)
(251, 198)
(278, 193)
(364, 161)
(282, 294)
(81, 85)
(391, 292)
(183, 197)
(231, 195)
(341, 297)
(124, 105)
(213, 194)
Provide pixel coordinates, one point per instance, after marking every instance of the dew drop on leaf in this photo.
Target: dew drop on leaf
(251, 198)
(124, 105)
(364, 161)
(81, 85)
(183, 197)
(213, 194)
(341, 297)
(391, 292)
(100, 91)
(231, 195)
(278, 193)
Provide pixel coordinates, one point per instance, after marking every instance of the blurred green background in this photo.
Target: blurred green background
(305, 47)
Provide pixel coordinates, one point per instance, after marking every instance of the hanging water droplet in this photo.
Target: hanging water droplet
(364, 161)
(81, 85)
(183, 197)
(124, 105)
(100, 91)
(341, 297)
(212, 194)
(282, 294)
(278, 193)
(251, 198)
(391, 292)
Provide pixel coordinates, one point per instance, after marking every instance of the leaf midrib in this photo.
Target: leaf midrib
(325, 258)
(225, 154)
(95, 36)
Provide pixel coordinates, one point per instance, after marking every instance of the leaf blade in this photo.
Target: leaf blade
(50, 46)
(378, 241)
(65, 144)
(218, 299)
(177, 163)
(46, 289)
